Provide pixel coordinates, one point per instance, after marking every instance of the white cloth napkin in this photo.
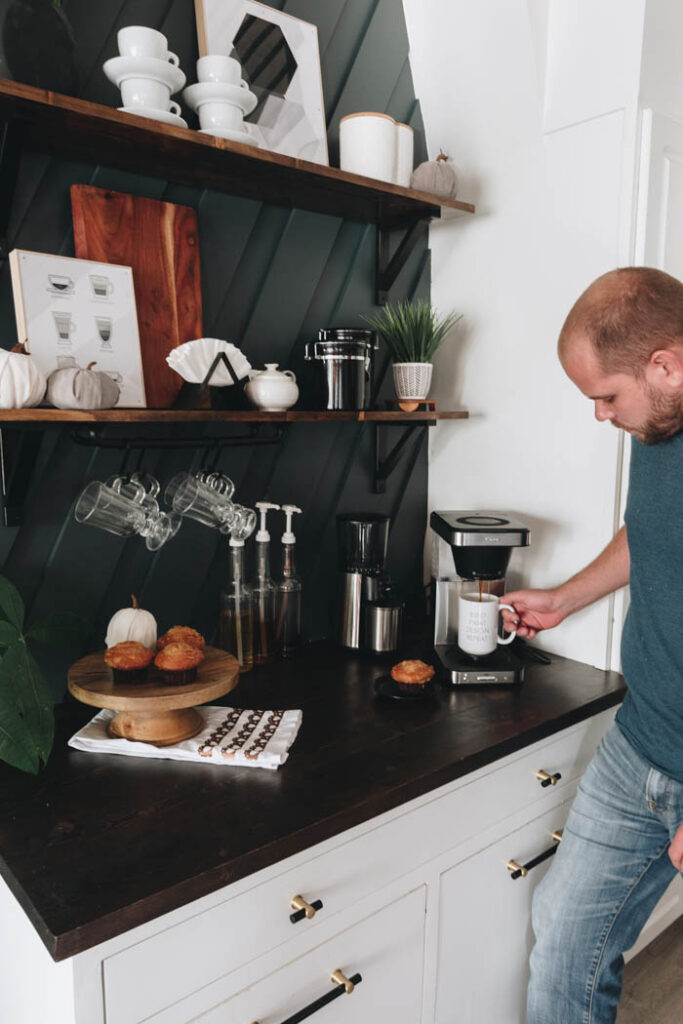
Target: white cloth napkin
(250, 738)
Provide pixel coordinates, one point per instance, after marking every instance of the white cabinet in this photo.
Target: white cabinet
(484, 927)
(418, 901)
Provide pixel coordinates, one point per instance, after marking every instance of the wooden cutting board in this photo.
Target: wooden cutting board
(160, 242)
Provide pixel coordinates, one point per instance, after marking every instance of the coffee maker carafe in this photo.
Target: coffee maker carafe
(362, 540)
(471, 552)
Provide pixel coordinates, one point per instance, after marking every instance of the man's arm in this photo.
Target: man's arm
(542, 609)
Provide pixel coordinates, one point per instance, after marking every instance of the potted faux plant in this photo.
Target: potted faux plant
(413, 331)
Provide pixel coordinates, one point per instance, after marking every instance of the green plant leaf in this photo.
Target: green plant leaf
(412, 330)
(58, 628)
(16, 746)
(22, 683)
(10, 603)
(9, 634)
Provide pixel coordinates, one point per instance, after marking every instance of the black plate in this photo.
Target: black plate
(386, 686)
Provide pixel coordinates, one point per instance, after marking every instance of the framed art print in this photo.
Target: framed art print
(280, 60)
(74, 312)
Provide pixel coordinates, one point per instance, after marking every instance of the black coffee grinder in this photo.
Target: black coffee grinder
(471, 552)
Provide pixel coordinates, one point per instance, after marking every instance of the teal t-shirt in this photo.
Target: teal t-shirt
(651, 716)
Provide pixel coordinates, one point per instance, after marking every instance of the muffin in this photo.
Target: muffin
(178, 663)
(181, 635)
(412, 676)
(129, 661)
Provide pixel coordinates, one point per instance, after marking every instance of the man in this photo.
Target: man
(622, 345)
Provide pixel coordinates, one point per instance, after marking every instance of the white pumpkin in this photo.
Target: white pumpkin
(22, 384)
(436, 176)
(73, 388)
(132, 624)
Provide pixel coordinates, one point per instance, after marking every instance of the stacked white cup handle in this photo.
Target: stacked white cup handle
(147, 73)
(221, 98)
(376, 146)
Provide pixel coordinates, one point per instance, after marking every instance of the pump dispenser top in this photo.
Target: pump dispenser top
(289, 510)
(263, 507)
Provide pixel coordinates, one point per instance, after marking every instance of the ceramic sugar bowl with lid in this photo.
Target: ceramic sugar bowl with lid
(272, 390)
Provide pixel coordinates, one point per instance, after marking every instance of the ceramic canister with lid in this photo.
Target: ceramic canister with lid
(343, 362)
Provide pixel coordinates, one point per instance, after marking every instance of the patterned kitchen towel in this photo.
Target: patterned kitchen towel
(256, 739)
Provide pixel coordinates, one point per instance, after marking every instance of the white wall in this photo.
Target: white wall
(543, 138)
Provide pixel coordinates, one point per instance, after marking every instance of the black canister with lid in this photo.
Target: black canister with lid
(343, 359)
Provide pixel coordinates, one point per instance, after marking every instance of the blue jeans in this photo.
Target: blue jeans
(608, 873)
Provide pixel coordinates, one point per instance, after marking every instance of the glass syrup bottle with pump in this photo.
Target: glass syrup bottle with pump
(236, 627)
(288, 628)
(264, 591)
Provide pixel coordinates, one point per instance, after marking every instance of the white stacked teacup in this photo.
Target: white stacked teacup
(147, 74)
(221, 98)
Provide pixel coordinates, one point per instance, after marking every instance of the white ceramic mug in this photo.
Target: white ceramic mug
(220, 114)
(140, 41)
(148, 92)
(217, 68)
(405, 145)
(367, 145)
(478, 623)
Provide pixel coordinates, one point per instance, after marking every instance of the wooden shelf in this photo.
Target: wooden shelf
(219, 416)
(74, 128)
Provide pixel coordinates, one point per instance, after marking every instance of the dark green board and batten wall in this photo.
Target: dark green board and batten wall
(271, 277)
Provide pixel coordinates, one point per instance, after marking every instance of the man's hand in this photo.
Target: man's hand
(676, 849)
(534, 610)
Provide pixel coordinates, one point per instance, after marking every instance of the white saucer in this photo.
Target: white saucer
(119, 68)
(231, 135)
(219, 92)
(155, 115)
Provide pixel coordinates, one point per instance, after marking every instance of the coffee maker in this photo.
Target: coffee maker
(362, 539)
(472, 549)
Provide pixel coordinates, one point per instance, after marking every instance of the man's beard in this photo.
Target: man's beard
(666, 418)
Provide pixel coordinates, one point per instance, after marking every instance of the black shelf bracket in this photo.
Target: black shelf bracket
(388, 266)
(386, 464)
(10, 153)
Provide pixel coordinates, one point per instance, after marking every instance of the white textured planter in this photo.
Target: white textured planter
(412, 381)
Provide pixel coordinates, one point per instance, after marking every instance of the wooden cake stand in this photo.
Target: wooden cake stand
(153, 711)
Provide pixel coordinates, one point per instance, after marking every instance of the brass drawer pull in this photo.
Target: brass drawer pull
(546, 779)
(342, 986)
(303, 909)
(522, 870)
(518, 870)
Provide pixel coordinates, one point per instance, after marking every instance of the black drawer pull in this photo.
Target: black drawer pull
(303, 909)
(546, 779)
(341, 985)
(521, 870)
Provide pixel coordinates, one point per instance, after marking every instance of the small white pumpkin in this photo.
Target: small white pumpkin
(22, 384)
(436, 176)
(73, 388)
(132, 624)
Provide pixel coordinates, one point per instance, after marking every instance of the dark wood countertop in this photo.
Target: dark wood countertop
(98, 844)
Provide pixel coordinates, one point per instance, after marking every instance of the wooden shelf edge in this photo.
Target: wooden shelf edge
(58, 122)
(8, 416)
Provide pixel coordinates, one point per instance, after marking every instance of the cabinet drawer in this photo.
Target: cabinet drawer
(386, 950)
(211, 944)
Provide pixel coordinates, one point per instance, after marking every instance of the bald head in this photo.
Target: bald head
(626, 315)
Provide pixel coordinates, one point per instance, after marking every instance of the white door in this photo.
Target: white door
(485, 929)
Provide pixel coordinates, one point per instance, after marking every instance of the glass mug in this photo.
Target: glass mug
(478, 624)
(206, 498)
(102, 506)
